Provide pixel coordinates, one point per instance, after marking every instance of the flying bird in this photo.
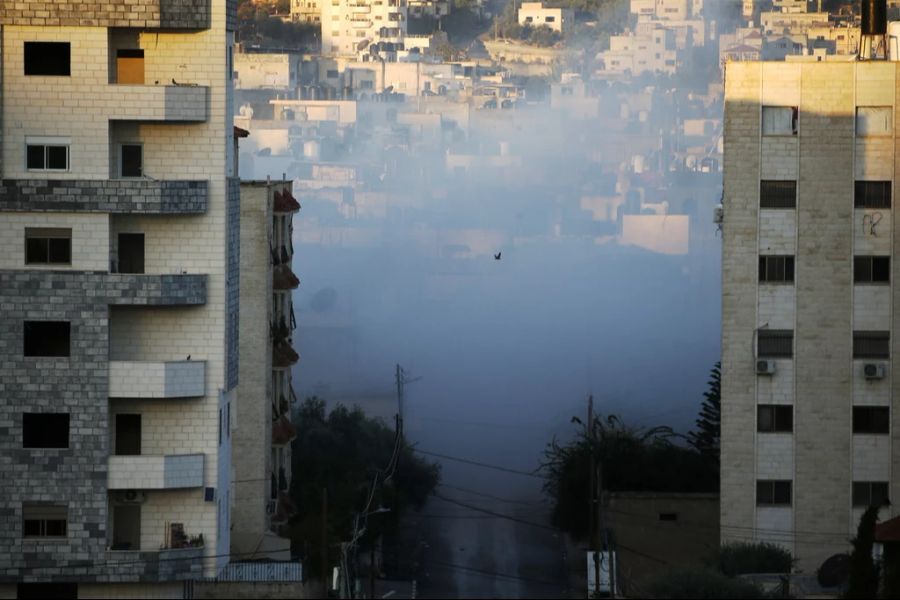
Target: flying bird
(497, 256)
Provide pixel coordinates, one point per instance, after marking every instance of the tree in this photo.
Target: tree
(863, 571)
(634, 459)
(342, 451)
(709, 423)
(741, 558)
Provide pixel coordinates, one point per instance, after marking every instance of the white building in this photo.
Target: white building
(649, 49)
(306, 11)
(808, 308)
(359, 28)
(119, 288)
(535, 14)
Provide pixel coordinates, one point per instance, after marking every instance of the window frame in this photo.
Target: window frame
(867, 425)
(25, 344)
(864, 270)
(47, 234)
(772, 336)
(122, 146)
(889, 130)
(771, 264)
(773, 194)
(47, 144)
(772, 499)
(778, 422)
(873, 194)
(27, 416)
(43, 514)
(865, 488)
(795, 121)
(873, 337)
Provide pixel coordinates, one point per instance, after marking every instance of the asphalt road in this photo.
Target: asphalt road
(471, 554)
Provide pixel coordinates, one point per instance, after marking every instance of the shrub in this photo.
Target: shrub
(700, 583)
(745, 557)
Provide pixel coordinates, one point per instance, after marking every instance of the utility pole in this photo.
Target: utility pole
(592, 493)
(325, 541)
(372, 571)
(400, 382)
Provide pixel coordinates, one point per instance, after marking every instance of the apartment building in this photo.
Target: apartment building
(651, 48)
(119, 295)
(306, 11)
(809, 314)
(363, 28)
(262, 427)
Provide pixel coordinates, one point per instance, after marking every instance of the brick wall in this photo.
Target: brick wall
(169, 14)
(104, 196)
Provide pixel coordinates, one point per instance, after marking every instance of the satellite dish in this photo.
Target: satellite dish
(835, 571)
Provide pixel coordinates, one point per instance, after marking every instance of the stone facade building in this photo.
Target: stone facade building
(808, 308)
(363, 28)
(119, 293)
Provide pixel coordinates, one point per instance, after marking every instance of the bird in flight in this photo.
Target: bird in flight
(497, 256)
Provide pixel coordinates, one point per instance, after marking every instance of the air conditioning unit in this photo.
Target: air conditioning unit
(765, 367)
(874, 370)
(719, 214)
(131, 497)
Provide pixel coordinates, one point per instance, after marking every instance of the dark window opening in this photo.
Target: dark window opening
(869, 493)
(871, 419)
(871, 344)
(132, 160)
(44, 520)
(47, 157)
(776, 269)
(774, 418)
(871, 269)
(128, 435)
(775, 343)
(41, 591)
(777, 194)
(47, 338)
(668, 516)
(126, 533)
(48, 246)
(773, 493)
(872, 194)
(45, 430)
(48, 58)
(131, 253)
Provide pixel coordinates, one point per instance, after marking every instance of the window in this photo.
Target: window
(871, 419)
(668, 517)
(779, 120)
(46, 338)
(869, 493)
(46, 156)
(44, 520)
(550, 19)
(871, 344)
(777, 194)
(45, 430)
(48, 58)
(128, 435)
(331, 74)
(873, 120)
(130, 66)
(48, 246)
(775, 343)
(367, 84)
(872, 194)
(131, 159)
(773, 493)
(871, 269)
(774, 418)
(776, 269)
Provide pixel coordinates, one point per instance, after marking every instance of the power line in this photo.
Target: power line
(485, 495)
(480, 464)
(496, 574)
(496, 514)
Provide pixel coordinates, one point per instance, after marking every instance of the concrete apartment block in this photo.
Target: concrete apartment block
(350, 27)
(265, 393)
(820, 146)
(127, 184)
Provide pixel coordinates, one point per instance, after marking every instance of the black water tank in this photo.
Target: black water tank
(873, 17)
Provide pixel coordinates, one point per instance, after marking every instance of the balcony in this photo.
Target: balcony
(166, 565)
(162, 14)
(173, 103)
(155, 472)
(126, 289)
(114, 196)
(172, 379)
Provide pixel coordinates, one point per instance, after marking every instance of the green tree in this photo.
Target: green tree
(706, 439)
(633, 459)
(863, 571)
(343, 451)
(741, 558)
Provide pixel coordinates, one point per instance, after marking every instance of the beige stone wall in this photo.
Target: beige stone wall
(90, 239)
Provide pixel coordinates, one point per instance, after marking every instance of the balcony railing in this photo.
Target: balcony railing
(114, 196)
(184, 102)
(126, 289)
(172, 379)
(162, 14)
(155, 472)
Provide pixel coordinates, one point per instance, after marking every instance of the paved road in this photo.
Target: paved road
(471, 554)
